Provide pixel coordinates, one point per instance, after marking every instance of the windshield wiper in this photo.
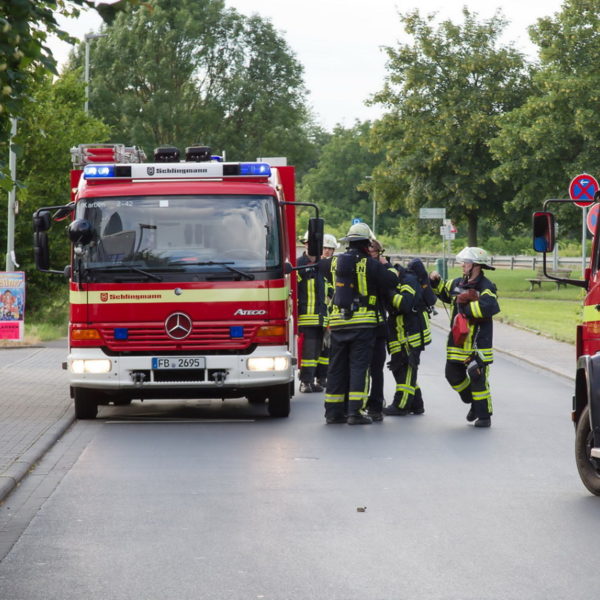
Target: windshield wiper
(227, 265)
(126, 268)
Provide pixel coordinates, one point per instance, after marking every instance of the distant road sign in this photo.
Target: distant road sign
(582, 189)
(592, 218)
(432, 213)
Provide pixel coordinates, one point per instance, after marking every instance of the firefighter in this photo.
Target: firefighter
(409, 334)
(330, 245)
(376, 400)
(468, 362)
(312, 313)
(358, 280)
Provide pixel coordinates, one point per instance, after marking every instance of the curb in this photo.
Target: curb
(11, 478)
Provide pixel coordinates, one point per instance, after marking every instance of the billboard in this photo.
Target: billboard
(12, 305)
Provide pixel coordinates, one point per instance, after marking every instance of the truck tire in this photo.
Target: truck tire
(278, 404)
(588, 468)
(86, 403)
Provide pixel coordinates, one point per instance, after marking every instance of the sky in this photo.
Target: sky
(339, 42)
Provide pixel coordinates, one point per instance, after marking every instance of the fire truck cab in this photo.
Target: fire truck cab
(586, 399)
(180, 277)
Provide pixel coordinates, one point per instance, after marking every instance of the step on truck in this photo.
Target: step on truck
(180, 279)
(586, 400)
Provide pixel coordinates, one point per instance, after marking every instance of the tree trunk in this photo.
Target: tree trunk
(472, 228)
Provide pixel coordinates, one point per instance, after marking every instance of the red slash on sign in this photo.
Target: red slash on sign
(582, 189)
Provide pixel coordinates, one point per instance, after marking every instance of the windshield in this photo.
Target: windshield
(229, 234)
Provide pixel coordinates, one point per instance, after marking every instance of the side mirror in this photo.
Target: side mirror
(42, 220)
(41, 252)
(316, 227)
(543, 232)
(80, 232)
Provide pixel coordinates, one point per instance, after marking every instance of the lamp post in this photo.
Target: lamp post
(370, 177)
(11, 262)
(86, 73)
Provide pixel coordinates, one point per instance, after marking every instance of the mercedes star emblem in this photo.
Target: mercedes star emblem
(178, 326)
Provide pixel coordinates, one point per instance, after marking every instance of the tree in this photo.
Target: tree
(54, 122)
(25, 26)
(443, 93)
(555, 134)
(192, 71)
(334, 183)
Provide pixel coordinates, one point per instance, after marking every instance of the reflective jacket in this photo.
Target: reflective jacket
(479, 313)
(371, 282)
(312, 310)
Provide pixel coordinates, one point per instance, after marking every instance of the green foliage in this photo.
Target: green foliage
(194, 72)
(555, 134)
(54, 122)
(443, 94)
(339, 184)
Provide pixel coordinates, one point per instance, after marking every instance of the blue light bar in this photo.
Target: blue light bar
(98, 171)
(259, 169)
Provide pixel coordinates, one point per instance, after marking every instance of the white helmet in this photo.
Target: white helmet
(304, 238)
(329, 241)
(477, 256)
(358, 231)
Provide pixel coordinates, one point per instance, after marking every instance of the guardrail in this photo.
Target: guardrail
(509, 262)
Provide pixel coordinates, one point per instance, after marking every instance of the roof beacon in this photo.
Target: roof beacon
(86, 154)
(198, 153)
(166, 154)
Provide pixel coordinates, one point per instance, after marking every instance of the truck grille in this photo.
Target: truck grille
(154, 338)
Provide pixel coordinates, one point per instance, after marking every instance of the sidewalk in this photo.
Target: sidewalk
(35, 408)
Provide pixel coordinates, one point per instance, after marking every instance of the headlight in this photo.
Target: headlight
(277, 363)
(96, 365)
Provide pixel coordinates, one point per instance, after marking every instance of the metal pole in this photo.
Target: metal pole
(583, 237)
(555, 258)
(86, 74)
(374, 213)
(12, 195)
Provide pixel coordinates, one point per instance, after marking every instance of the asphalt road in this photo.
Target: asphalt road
(210, 500)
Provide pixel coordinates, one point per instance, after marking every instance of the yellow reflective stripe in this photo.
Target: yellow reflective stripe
(361, 276)
(463, 385)
(488, 293)
(590, 314)
(476, 309)
(335, 398)
(323, 360)
(407, 288)
(150, 296)
(308, 363)
(308, 320)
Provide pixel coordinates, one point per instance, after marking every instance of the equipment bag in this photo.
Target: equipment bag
(460, 329)
(417, 268)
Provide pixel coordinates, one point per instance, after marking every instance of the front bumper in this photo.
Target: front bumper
(221, 373)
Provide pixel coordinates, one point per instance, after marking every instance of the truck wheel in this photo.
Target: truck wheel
(588, 467)
(86, 403)
(279, 401)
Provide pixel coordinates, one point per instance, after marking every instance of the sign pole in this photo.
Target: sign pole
(583, 238)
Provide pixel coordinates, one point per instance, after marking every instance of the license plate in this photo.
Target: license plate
(178, 362)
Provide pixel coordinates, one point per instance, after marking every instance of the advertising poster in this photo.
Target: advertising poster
(12, 305)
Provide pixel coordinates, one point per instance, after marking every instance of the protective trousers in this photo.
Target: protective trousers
(474, 390)
(408, 393)
(376, 400)
(311, 348)
(350, 357)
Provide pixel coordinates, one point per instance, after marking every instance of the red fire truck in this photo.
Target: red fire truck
(180, 277)
(586, 400)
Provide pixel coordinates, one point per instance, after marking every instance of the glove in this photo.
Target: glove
(434, 278)
(396, 362)
(467, 296)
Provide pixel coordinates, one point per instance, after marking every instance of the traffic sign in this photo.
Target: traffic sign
(432, 213)
(582, 189)
(355, 221)
(592, 218)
